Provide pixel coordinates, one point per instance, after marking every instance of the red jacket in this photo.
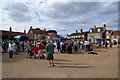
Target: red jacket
(35, 50)
(41, 46)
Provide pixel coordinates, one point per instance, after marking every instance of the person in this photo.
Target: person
(29, 49)
(14, 48)
(110, 44)
(106, 44)
(41, 49)
(55, 44)
(4, 46)
(69, 48)
(10, 49)
(21, 45)
(75, 48)
(63, 47)
(49, 48)
(58, 46)
(81, 46)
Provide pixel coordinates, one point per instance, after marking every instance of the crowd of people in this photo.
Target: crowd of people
(36, 49)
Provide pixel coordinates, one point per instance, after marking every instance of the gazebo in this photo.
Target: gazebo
(21, 38)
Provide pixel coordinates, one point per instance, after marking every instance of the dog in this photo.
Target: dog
(92, 52)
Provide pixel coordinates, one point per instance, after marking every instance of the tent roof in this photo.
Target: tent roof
(20, 36)
(57, 39)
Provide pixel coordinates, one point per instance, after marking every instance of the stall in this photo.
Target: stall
(60, 39)
(21, 38)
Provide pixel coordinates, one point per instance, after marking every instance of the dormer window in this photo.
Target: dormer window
(90, 30)
(98, 30)
(107, 32)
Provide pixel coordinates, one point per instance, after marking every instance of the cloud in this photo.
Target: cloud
(18, 12)
(64, 17)
(74, 14)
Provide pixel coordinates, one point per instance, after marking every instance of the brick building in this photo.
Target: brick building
(35, 33)
(115, 35)
(9, 35)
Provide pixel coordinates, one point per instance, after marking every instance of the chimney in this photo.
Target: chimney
(81, 30)
(67, 34)
(94, 26)
(44, 29)
(30, 27)
(10, 29)
(105, 26)
(76, 31)
(25, 31)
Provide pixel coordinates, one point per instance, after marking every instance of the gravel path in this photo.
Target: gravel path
(103, 65)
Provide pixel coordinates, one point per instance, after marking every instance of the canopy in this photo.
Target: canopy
(21, 37)
(58, 39)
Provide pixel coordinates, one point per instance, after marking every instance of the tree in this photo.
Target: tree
(43, 37)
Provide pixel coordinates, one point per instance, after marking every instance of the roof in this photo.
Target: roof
(74, 34)
(37, 31)
(94, 30)
(116, 33)
(4, 32)
(110, 31)
(53, 31)
(20, 36)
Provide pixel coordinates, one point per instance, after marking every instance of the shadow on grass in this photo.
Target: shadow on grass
(61, 60)
(74, 66)
(70, 63)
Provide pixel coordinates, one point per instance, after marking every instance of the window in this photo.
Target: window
(82, 35)
(117, 37)
(36, 35)
(107, 32)
(98, 30)
(91, 30)
(107, 37)
(113, 36)
(98, 35)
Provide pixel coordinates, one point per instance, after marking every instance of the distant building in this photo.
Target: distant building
(96, 34)
(52, 34)
(108, 35)
(9, 35)
(35, 33)
(78, 35)
(115, 35)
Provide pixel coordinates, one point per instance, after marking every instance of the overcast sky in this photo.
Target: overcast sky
(65, 17)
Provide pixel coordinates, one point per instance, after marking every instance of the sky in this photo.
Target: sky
(64, 16)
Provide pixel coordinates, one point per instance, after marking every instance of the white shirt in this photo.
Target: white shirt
(55, 44)
(11, 47)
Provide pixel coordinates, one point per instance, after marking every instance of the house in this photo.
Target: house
(78, 36)
(9, 35)
(35, 33)
(108, 35)
(52, 34)
(115, 35)
(96, 34)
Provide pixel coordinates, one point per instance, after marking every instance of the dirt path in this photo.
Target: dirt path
(103, 65)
